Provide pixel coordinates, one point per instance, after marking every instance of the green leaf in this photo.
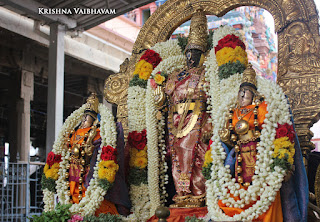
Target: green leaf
(136, 81)
(206, 171)
(104, 184)
(48, 183)
(138, 176)
(230, 68)
(193, 219)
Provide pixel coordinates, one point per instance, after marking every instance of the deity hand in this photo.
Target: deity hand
(159, 97)
(224, 134)
(89, 150)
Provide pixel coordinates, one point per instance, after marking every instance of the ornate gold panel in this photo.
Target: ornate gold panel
(296, 22)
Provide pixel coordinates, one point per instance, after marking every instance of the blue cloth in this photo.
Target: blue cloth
(118, 193)
(294, 193)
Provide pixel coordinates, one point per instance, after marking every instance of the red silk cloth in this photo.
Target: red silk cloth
(179, 214)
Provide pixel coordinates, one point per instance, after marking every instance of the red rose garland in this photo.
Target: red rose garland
(109, 153)
(231, 41)
(138, 140)
(151, 57)
(285, 130)
(53, 158)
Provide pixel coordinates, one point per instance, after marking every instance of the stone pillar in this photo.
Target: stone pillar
(55, 84)
(23, 118)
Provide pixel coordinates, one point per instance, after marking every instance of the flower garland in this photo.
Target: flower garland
(266, 182)
(141, 108)
(212, 67)
(269, 174)
(138, 157)
(95, 192)
(153, 154)
(167, 49)
(170, 64)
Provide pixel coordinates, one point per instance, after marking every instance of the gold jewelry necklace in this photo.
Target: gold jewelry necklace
(245, 110)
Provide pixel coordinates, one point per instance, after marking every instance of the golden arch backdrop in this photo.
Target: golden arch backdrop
(296, 23)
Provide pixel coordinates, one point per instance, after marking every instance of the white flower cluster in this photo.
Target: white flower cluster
(153, 152)
(170, 64)
(108, 130)
(213, 89)
(94, 194)
(142, 115)
(71, 122)
(222, 32)
(167, 49)
(136, 108)
(48, 199)
(266, 183)
(212, 70)
(140, 203)
(163, 166)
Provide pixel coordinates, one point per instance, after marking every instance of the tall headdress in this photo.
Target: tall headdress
(198, 32)
(92, 105)
(249, 78)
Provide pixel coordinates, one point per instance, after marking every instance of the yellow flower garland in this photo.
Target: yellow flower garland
(143, 69)
(283, 146)
(138, 158)
(107, 170)
(228, 54)
(159, 79)
(51, 172)
(207, 158)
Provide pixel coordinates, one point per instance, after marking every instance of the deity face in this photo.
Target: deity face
(87, 121)
(245, 97)
(193, 57)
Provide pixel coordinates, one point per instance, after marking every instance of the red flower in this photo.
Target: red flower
(229, 41)
(151, 57)
(285, 130)
(109, 153)
(50, 159)
(138, 140)
(57, 158)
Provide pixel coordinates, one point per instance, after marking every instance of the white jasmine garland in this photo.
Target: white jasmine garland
(153, 152)
(94, 194)
(170, 64)
(48, 199)
(136, 108)
(162, 162)
(222, 32)
(140, 203)
(266, 183)
(167, 49)
(142, 115)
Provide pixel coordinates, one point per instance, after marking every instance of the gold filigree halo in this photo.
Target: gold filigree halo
(249, 76)
(198, 31)
(92, 105)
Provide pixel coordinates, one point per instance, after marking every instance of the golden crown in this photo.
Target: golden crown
(92, 105)
(198, 31)
(249, 76)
